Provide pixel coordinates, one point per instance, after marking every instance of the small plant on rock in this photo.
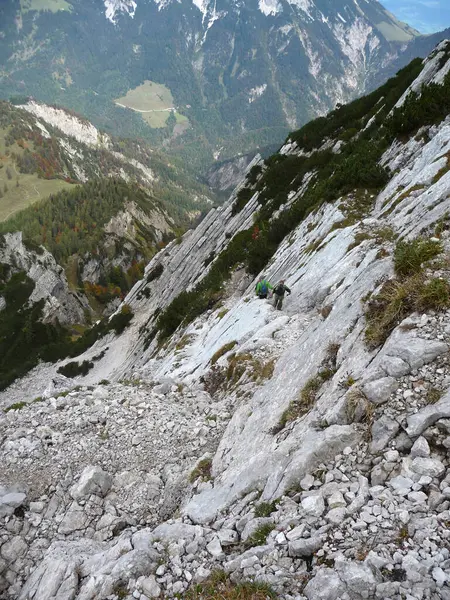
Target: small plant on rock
(219, 587)
(410, 256)
(264, 509)
(433, 395)
(259, 536)
(203, 470)
(16, 406)
(222, 351)
(347, 382)
(398, 299)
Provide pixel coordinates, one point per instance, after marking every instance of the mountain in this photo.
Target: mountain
(205, 79)
(204, 444)
(96, 202)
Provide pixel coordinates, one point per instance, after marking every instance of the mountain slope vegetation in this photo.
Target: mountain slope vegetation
(232, 79)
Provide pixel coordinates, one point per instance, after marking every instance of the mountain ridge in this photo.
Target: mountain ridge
(228, 77)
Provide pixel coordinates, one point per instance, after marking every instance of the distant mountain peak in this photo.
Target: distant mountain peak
(119, 6)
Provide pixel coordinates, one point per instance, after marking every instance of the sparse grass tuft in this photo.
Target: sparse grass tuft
(433, 395)
(16, 406)
(332, 351)
(409, 256)
(203, 470)
(326, 310)
(259, 537)
(303, 404)
(219, 587)
(398, 299)
(185, 340)
(222, 313)
(265, 509)
(226, 348)
(121, 591)
(347, 382)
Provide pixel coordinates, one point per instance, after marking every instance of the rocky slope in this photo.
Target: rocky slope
(306, 449)
(242, 74)
(49, 278)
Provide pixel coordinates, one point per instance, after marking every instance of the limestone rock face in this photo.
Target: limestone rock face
(50, 280)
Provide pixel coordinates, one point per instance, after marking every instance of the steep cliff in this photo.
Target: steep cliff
(304, 449)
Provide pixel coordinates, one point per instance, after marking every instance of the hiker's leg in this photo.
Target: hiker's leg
(280, 303)
(275, 300)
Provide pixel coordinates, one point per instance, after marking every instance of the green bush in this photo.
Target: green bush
(73, 369)
(155, 273)
(119, 322)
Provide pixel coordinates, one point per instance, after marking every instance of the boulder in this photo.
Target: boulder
(325, 585)
(420, 448)
(380, 390)
(305, 546)
(93, 480)
(10, 500)
(418, 422)
(313, 505)
(430, 467)
(383, 431)
(358, 578)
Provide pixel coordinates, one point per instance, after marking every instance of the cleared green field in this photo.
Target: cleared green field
(41, 5)
(153, 101)
(31, 188)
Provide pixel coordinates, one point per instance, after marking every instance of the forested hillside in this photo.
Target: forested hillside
(41, 155)
(195, 79)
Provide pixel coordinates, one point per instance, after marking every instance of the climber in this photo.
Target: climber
(262, 288)
(278, 292)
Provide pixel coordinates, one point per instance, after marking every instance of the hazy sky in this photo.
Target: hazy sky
(425, 15)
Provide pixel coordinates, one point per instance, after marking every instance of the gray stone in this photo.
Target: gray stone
(383, 431)
(420, 448)
(336, 500)
(305, 546)
(325, 585)
(214, 548)
(336, 515)
(201, 574)
(307, 482)
(13, 549)
(358, 578)
(172, 532)
(150, 587)
(428, 466)
(93, 480)
(10, 501)
(314, 505)
(418, 422)
(402, 485)
(74, 520)
(227, 537)
(380, 390)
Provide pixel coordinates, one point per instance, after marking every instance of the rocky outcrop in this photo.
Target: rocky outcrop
(50, 280)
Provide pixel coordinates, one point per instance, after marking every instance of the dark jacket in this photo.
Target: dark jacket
(280, 289)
